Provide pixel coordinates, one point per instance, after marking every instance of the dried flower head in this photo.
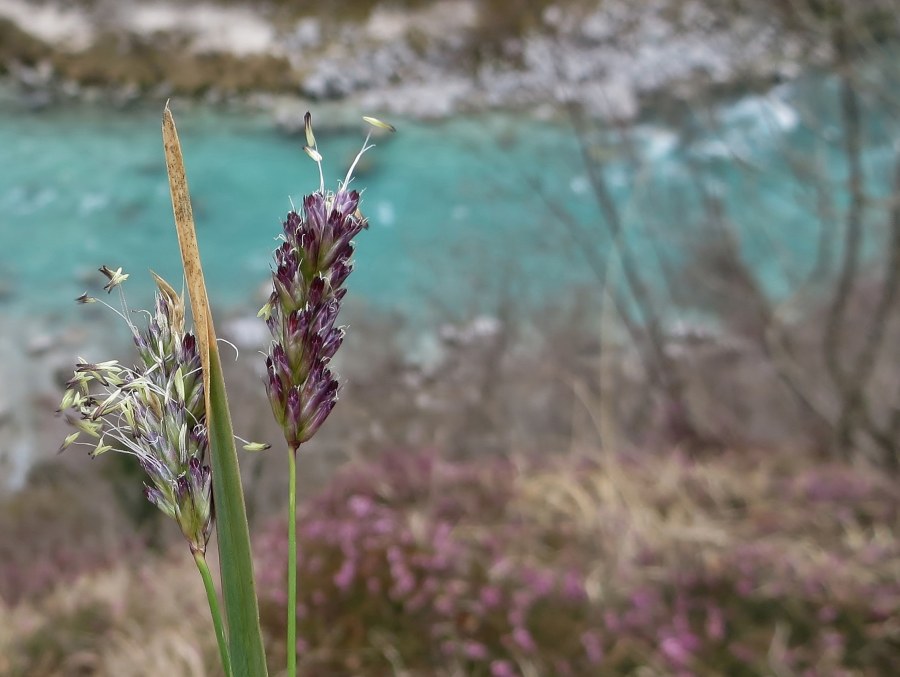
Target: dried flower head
(312, 264)
(154, 411)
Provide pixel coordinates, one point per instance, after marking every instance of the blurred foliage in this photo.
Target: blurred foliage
(68, 642)
(143, 62)
(130, 620)
(592, 566)
(15, 44)
(589, 563)
(63, 524)
(868, 19)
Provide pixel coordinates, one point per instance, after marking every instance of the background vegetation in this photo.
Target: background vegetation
(595, 487)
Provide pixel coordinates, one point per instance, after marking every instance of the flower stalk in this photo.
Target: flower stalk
(292, 565)
(311, 265)
(214, 611)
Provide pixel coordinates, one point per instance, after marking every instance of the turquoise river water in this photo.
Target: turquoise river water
(461, 211)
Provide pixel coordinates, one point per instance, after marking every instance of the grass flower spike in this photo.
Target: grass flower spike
(311, 266)
(156, 412)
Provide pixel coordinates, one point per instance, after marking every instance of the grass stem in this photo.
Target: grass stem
(215, 611)
(292, 566)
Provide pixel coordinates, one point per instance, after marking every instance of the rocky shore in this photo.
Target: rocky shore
(428, 61)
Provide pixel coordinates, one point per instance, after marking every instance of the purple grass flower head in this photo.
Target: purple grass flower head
(154, 411)
(311, 265)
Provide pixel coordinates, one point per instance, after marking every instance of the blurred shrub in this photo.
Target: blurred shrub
(65, 647)
(734, 566)
(17, 46)
(134, 620)
(742, 564)
(66, 522)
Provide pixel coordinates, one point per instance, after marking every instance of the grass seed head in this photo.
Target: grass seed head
(154, 411)
(311, 266)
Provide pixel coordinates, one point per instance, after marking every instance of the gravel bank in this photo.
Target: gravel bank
(432, 62)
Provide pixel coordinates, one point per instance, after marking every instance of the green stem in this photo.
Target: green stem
(292, 567)
(214, 611)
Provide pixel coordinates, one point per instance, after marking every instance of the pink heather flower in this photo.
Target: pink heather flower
(457, 587)
(524, 640)
(444, 605)
(645, 599)
(502, 669)
(679, 648)
(475, 650)
(383, 525)
(827, 614)
(612, 621)
(563, 667)
(573, 587)
(715, 624)
(491, 596)
(343, 579)
(540, 582)
(593, 647)
(361, 506)
(833, 640)
(404, 583)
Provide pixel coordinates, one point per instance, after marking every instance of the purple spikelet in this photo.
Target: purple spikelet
(311, 266)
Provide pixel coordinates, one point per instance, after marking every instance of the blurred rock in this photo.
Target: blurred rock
(429, 61)
(35, 361)
(246, 332)
(40, 344)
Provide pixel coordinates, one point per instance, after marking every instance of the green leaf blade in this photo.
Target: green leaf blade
(235, 560)
(245, 643)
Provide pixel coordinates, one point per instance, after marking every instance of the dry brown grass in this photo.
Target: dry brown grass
(816, 539)
(694, 512)
(129, 622)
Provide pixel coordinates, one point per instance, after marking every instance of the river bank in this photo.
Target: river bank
(428, 60)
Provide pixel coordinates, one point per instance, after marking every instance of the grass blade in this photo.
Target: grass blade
(235, 562)
(239, 590)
